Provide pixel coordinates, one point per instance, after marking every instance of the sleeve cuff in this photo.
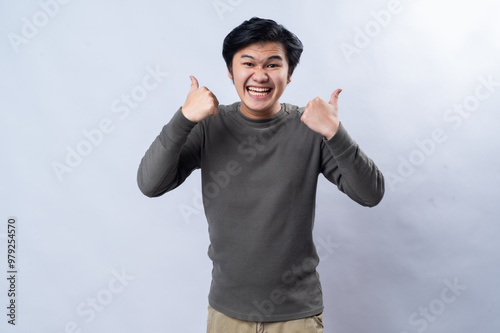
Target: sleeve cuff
(342, 146)
(175, 133)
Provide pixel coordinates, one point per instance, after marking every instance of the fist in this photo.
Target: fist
(200, 103)
(322, 117)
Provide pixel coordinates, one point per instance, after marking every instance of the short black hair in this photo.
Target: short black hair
(258, 30)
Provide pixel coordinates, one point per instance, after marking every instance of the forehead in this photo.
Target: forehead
(262, 51)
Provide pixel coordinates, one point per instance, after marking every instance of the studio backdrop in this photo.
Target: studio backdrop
(86, 86)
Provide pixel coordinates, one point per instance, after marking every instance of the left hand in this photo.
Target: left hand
(322, 117)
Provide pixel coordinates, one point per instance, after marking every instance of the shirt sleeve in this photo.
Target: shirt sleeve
(354, 173)
(171, 158)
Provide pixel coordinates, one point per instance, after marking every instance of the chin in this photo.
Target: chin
(258, 106)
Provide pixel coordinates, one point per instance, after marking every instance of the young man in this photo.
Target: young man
(260, 162)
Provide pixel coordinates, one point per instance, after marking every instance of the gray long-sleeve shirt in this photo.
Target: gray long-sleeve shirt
(259, 180)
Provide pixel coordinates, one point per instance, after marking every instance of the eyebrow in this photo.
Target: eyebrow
(277, 57)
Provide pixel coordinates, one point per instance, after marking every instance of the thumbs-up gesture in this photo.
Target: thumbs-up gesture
(322, 117)
(200, 103)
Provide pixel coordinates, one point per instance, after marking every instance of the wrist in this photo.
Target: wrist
(187, 115)
(332, 130)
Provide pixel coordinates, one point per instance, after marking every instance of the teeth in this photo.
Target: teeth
(259, 89)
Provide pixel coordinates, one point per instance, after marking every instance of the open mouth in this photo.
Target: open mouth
(259, 92)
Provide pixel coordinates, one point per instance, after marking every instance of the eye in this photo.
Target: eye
(273, 66)
(248, 64)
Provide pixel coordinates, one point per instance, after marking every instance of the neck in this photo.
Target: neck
(260, 114)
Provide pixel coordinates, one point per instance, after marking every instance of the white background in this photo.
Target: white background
(383, 269)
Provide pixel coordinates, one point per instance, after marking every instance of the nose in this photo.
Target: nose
(260, 75)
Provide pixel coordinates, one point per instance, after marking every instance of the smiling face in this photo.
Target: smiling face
(260, 75)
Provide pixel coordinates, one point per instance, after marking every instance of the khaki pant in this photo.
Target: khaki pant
(220, 323)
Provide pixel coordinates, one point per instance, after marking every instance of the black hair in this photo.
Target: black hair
(258, 30)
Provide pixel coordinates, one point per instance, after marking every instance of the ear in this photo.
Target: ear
(230, 74)
(289, 79)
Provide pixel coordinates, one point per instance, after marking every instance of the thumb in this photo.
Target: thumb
(335, 97)
(194, 84)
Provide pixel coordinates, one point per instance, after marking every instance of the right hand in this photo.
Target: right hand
(200, 103)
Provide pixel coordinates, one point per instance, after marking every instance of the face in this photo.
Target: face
(260, 75)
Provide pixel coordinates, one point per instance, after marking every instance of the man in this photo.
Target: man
(260, 160)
